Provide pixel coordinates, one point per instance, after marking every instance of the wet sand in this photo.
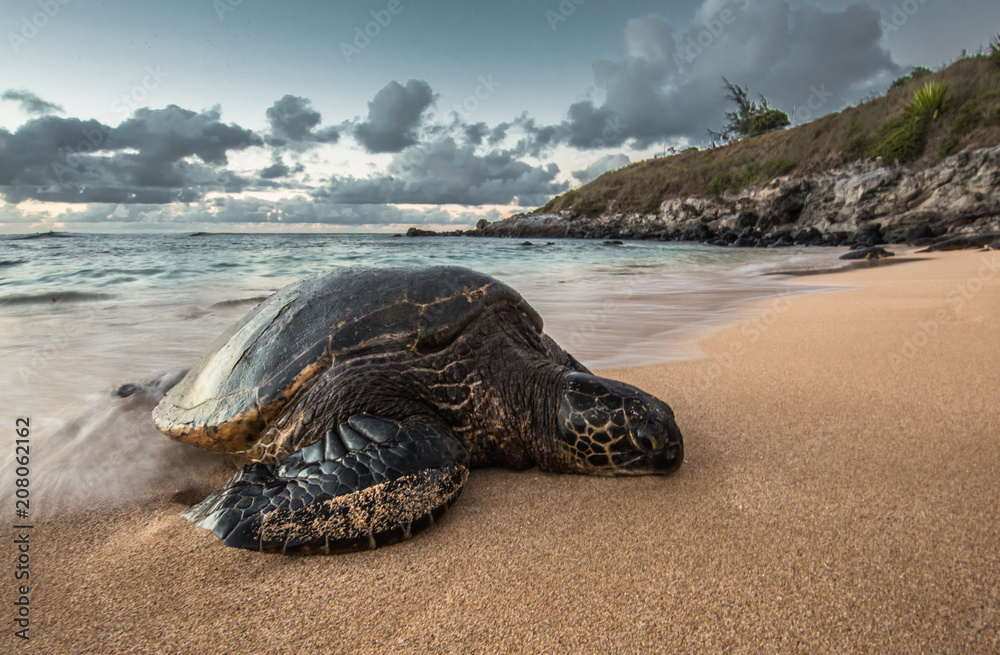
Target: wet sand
(840, 494)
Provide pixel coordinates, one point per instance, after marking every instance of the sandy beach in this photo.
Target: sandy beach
(840, 495)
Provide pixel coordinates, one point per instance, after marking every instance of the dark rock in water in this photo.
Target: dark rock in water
(744, 242)
(527, 243)
(129, 389)
(877, 252)
(963, 243)
(615, 242)
(417, 232)
(396, 235)
(550, 243)
(783, 242)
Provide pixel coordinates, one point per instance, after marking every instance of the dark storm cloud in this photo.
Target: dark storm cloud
(498, 134)
(26, 153)
(667, 84)
(275, 170)
(475, 133)
(537, 139)
(172, 133)
(30, 103)
(444, 172)
(394, 116)
(292, 119)
(145, 159)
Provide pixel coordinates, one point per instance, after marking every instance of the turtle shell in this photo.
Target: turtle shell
(254, 368)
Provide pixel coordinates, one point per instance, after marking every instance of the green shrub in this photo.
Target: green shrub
(915, 74)
(968, 118)
(749, 174)
(776, 167)
(901, 139)
(590, 208)
(750, 117)
(691, 149)
(745, 177)
(992, 117)
(768, 121)
(719, 184)
(856, 142)
(983, 109)
(929, 102)
(995, 51)
(951, 144)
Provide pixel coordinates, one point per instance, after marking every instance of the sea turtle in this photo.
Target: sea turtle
(364, 395)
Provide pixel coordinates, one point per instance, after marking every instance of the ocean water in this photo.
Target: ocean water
(82, 314)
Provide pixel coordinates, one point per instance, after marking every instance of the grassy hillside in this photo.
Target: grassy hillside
(878, 127)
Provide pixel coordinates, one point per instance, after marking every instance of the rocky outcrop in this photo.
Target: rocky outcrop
(861, 205)
(417, 232)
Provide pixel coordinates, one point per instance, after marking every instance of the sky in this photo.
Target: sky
(249, 115)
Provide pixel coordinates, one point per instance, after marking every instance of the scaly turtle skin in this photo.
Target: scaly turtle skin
(363, 396)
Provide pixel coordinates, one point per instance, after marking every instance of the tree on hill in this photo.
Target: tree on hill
(750, 118)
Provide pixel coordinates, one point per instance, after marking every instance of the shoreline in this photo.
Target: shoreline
(833, 499)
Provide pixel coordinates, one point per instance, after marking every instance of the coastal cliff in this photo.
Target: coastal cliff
(917, 164)
(864, 203)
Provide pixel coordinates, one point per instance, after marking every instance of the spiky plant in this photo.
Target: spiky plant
(995, 50)
(929, 102)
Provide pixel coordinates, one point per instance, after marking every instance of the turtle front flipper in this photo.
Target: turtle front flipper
(367, 483)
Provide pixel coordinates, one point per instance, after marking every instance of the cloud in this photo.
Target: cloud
(475, 132)
(498, 134)
(172, 133)
(443, 172)
(537, 139)
(394, 116)
(293, 120)
(30, 103)
(228, 211)
(667, 84)
(149, 158)
(602, 165)
(275, 170)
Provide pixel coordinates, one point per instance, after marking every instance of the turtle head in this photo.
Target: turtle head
(612, 428)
